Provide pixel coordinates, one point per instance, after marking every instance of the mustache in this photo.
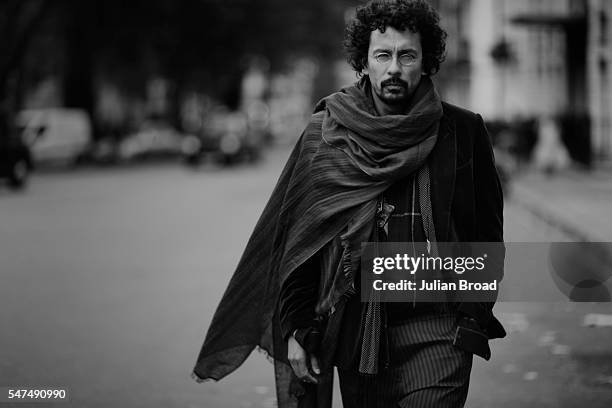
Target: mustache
(394, 82)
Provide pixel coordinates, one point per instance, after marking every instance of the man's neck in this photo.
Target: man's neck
(384, 109)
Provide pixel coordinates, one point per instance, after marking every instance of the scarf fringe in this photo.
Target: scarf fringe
(199, 380)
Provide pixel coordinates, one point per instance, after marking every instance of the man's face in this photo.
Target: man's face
(395, 64)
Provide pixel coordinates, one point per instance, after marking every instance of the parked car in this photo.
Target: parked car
(154, 140)
(55, 135)
(227, 138)
(15, 157)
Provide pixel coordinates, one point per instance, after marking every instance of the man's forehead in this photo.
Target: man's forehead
(393, 38)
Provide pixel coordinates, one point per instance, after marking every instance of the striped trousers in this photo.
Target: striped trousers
(426, 370)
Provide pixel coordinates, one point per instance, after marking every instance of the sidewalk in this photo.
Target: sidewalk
(556, 354)
(577, 202)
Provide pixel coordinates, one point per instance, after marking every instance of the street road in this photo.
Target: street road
(110, 277)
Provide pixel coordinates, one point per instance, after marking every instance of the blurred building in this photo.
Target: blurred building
(513, 69)
(512, 59)
(600, 80)
(454, 80)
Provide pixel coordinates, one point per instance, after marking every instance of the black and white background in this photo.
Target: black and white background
(158, 128)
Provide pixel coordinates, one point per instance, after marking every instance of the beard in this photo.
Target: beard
(394, 91)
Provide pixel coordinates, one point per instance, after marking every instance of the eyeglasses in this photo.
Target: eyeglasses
(404, 60)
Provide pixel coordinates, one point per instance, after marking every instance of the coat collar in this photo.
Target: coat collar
(442, 164)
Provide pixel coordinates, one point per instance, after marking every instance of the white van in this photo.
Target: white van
(56, 134)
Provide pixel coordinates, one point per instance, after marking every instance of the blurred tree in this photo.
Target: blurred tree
(194, 44)
(19, 21)
(81, 43)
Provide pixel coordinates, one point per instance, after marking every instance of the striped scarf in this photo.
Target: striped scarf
(344, 160)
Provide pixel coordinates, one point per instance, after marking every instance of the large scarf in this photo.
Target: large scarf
(328, 190)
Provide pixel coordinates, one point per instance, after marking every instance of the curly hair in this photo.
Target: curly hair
(416, 15)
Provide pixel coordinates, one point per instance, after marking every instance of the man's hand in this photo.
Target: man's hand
(302, 362)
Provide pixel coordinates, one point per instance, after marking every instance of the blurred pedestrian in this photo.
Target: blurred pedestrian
(550, 154)
(382, 160)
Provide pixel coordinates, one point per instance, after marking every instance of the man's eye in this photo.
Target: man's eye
(383, 57)
(407, 59)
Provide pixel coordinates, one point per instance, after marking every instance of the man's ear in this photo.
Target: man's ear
(365, 70)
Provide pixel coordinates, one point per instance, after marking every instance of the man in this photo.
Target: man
(383, 160)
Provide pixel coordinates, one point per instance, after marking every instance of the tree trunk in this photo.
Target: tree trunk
(78, 80)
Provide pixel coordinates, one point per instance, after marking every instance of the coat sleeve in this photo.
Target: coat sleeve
(489, 209)
(489, 201)
(298, 296)
(487, 188)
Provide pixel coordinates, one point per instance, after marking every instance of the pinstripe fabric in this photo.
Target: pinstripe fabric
(426, 369)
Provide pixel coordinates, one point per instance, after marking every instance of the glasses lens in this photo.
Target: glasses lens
(383, 58)
(406, 59)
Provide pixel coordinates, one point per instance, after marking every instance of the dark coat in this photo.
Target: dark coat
(466, 196)
(467, 205)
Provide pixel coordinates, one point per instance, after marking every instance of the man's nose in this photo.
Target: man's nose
(394, 67)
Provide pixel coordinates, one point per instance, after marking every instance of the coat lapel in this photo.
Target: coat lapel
(442, 164)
